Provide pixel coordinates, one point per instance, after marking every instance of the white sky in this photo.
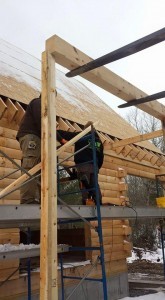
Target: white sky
(96, 28)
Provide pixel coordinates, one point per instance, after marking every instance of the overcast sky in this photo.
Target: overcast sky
(96, 27)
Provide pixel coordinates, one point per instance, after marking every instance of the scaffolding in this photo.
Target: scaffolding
(27, 216)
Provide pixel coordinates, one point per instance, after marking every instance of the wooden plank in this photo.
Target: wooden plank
(138, 138)
(77, 127)
(19, 181)
(20, 113)
(70, 57)
(11, 110)
(63, 125)
(48, 252)
(71, 127)
(3, 107)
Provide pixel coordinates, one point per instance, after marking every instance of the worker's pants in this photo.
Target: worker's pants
(31, 155)
(85, 174)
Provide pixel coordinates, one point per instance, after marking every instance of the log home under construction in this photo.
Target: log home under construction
(70, 104)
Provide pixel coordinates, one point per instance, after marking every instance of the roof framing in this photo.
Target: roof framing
(70, 57)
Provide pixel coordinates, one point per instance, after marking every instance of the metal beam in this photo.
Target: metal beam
(25, 253)
(29, 215)
(143, 100)
(138, 45)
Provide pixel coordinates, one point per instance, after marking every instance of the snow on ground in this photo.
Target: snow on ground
(156, 296)
(10, 247)
(151, 256)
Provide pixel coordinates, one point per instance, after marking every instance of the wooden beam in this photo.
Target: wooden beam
(70, 57)
(139, 45)
(48, 252)
(137, 138)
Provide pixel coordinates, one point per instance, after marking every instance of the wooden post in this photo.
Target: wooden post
(48, 252)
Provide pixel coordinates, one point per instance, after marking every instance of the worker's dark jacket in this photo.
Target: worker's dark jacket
(31, 122)
(87, 154)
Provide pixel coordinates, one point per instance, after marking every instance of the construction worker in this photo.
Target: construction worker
(29, 137)
(84, 166)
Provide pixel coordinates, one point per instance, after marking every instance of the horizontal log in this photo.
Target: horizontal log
(123, 163)
(8, 264)
(109, 186)
(14, 196)
(4, 162)
(12, 153)
(122, 200)
(8, 202)
(5, 182)
(137, 138)
(130, 171)
(9, 239)
(109, 223)
(114, 256)
(115, 239)
(6, 171)
(109, 172)
(110, 194)
(109, 179)
(108, 249)
(6, 273)
(9, 133)
(10, 125)
(123, 230)
(109, 155)
(9, 143)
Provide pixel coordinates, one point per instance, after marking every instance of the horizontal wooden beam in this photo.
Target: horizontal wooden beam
(70, 57)
(137, 138)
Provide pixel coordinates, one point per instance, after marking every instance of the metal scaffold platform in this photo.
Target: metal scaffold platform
(25, 253)
(29, 215)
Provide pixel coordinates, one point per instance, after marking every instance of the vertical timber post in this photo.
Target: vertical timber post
(48, 252)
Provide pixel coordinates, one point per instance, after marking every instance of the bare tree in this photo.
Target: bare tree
(142, 192)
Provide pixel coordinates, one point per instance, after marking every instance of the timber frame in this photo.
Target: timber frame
(61, 52)
(123, 155)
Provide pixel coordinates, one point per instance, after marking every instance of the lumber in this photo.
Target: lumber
(11, 110)
(48, 251)
(134, 47)
(16, 184)
(70, 57)
(3, 107)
